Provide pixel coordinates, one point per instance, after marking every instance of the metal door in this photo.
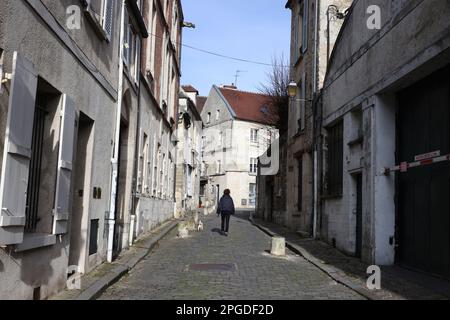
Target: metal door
(423, 192)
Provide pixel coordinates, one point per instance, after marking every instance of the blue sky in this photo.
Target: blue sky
(248, 29)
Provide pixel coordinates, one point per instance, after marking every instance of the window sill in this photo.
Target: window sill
(357, 141)
(96, 24)
(33, 241)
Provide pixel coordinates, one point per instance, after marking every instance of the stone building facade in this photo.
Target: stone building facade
(385, 120)
(154, 200)
(239, 127)
(70, 120)
(314, 28)
(189, 161)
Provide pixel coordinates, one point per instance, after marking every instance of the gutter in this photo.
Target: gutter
(134, 191)
(314, 140)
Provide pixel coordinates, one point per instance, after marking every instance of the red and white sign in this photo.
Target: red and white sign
(428, 155)
(403, 166)
(426, 159)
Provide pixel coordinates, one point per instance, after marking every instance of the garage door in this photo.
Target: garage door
(423, 215)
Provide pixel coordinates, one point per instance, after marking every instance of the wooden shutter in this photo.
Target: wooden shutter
(17, 152)
(108, 15)
(64, 174)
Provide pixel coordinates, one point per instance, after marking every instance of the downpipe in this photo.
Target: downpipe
(115, 160)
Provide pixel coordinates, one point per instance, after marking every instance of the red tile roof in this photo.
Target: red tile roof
(189, 88)
(250, 106)
(201, 103)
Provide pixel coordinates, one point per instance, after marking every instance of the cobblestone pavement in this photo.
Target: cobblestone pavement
(397, 283)
(166, 272)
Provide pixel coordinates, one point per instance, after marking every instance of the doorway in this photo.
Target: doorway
(81, 193)
(121, 203)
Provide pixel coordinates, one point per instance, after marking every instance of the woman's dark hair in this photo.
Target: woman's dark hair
(226, 191)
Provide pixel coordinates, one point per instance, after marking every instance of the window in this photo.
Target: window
(217, 115)
(145, 165)
(107, 17)
(131, 55)
(305, 17)
(189, 181)
(335, 160)
(208, 117)
(296, 36)
(219, 139)
(254, 135)
(300, 184)
(93, 237)
(35, 172)
(301, 35)
(174, 24)
(252, 194)
(218, 167)
(202, 189)
(253, 165)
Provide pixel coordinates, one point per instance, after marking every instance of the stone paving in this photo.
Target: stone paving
(166, 272)
(397, 283)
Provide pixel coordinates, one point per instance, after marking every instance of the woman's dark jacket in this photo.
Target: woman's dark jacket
(226, 205)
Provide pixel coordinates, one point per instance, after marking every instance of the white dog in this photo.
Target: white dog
(200, 226)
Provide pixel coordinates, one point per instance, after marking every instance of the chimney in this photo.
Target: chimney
(232, 86)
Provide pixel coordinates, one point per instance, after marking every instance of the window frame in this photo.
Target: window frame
(254, 135)
(253, 166)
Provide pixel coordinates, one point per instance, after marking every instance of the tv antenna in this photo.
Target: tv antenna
(237, 75)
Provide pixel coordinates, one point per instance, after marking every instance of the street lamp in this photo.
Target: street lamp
(292, 89)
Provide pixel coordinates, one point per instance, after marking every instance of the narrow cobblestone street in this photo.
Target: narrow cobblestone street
(166, 272)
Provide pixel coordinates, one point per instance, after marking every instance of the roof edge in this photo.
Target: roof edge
(230, 109)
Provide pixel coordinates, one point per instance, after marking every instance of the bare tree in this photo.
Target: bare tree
(276, 87)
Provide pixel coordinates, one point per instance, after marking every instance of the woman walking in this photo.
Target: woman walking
(226, 209)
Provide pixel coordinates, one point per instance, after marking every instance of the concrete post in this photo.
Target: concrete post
(278, 246)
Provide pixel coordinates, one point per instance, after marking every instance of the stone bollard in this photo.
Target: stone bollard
(183, 231)
(196, 218)
(278, 246)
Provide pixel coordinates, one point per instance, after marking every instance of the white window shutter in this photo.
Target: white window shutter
(65, 163)
(108, 17)
(17, 152)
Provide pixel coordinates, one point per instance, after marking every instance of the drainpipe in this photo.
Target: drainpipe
(316, 35)
(314, 164)
(115, 159)
(134, 221)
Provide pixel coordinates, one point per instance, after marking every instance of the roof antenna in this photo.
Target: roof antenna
(237, 75)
